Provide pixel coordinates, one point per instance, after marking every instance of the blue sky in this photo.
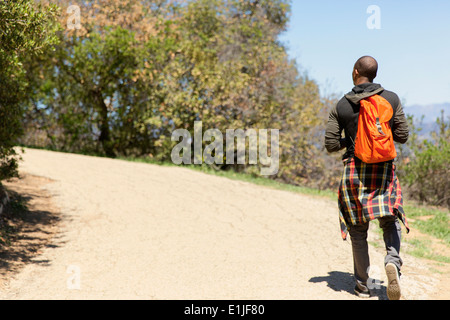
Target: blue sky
(412, 47)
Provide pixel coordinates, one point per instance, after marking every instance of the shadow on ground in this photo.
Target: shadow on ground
(345, 282)
(28, 225)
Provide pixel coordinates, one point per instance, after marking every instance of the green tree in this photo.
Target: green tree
(26, 29)
(93, 92)
(137, 70)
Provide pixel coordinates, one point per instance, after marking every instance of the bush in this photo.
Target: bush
(25, 28)
(427, 174)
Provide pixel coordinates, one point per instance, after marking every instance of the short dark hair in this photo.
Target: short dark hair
(367, 67)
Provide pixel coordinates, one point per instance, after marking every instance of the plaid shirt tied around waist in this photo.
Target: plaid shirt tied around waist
(368, 192)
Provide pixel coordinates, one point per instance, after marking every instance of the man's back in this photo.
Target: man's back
(344, 117)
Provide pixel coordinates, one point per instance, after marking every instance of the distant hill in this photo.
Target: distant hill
(430, 113)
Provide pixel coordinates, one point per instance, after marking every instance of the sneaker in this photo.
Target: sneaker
(393, 289)
(362, 292)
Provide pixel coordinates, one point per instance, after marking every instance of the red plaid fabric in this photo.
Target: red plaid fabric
(368, 192)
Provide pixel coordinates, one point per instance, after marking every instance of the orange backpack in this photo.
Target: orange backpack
(374, 141)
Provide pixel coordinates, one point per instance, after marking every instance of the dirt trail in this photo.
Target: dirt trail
(138, 231)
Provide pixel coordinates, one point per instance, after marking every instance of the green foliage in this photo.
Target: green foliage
(428, 171)
(134, 72)
(26, 29)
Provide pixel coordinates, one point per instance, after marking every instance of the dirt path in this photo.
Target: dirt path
(137, 231)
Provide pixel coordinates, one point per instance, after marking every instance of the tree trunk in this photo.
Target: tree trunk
(105, 135)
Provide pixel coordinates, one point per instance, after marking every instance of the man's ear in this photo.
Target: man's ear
(354, 75)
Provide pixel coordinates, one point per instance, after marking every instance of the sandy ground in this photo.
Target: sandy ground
(137, 231)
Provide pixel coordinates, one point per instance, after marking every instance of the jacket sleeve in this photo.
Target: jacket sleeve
(400, 130)
(333, 140)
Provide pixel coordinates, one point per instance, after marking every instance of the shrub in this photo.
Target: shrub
(25, 28)
(427, 174)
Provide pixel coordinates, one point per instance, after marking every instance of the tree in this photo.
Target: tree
(94, 81)
(26, 29)
(137, 70)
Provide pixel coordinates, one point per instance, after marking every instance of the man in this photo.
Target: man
(368, 191)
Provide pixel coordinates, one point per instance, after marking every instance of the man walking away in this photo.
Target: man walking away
(369, 190)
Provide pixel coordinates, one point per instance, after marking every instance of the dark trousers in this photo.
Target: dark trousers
(392, 237)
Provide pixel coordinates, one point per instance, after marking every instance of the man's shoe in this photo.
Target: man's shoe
(362, 292)
(393, 289)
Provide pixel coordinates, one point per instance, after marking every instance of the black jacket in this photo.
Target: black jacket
(344, 117)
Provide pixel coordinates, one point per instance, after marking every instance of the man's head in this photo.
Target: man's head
(365, 70)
